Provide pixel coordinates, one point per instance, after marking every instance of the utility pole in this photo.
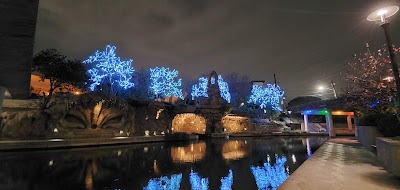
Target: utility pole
(333, 88)
(274, 79)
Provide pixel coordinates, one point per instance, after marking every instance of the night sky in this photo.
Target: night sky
(305, 43)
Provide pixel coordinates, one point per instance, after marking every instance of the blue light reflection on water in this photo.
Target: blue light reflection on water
(133, 166)
(197, 182)
(165, 183)
(270, 176)
(226, 182)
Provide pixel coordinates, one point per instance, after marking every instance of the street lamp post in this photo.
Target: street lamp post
(382, 15)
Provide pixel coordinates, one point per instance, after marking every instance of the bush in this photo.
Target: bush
(369, 119)
(386, 123)
(389, 125)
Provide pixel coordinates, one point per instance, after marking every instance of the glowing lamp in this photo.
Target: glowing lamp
(383, 14)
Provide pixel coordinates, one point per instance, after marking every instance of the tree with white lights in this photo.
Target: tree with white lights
(266, 97)
(200, 89)
(108, 72)
(163, 83)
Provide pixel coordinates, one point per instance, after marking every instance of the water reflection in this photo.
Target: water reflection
(226, 182)
(164, 183)
(245, 163)
(197, 182)
(190, 153)
(234, 149)
(270, 176)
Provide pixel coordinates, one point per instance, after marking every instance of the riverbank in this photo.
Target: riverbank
(341, 163)
(72, 143)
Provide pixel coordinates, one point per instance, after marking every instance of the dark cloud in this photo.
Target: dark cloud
(304, 43)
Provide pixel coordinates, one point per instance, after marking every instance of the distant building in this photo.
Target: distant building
(258, 82)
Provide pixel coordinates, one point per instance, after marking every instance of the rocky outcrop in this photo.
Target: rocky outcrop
(23, 124)
(87, 116)
(154, 118)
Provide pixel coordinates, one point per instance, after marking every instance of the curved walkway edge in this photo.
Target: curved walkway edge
(341, 163)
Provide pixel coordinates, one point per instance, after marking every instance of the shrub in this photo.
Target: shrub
(388, 125)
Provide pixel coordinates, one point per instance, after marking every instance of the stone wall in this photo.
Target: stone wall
(87, 116)
(234, 124)
(189, 123)
(155, 118)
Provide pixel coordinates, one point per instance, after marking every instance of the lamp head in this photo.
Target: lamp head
(383, 13)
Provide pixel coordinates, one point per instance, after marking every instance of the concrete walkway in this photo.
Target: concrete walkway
(341, 164)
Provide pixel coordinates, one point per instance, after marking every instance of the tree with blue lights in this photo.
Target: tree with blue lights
(266, 97)
(108, 72)
(200, 89)
(163, 83)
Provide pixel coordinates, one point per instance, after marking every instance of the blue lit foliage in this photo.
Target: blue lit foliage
(107, 71)
(200, 89)
(270, 96)
(164, 183)
(163, 82)
(226, 182)
(270, 176)
(196, 182)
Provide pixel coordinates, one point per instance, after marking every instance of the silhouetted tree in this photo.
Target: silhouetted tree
(62, 73)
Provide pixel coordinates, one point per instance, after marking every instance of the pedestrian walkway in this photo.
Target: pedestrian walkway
(341, 164)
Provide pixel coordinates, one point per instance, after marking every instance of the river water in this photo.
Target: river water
(242, 163)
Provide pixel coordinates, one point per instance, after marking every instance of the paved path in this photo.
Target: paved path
(341, 164)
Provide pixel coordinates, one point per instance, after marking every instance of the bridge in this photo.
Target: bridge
(17, 36)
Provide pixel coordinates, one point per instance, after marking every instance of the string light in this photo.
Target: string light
(108, 69)
(271, 96)
(200, 89)
(163, 82)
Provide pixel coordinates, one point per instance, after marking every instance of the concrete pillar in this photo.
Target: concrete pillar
(349, 124)
(329, 124)
(305, 122)
(355, 124)
(2, 91)
(17, 35)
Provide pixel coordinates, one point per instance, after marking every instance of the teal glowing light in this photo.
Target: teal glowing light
(106, 70)
(315, 112)
(163, 82)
